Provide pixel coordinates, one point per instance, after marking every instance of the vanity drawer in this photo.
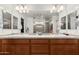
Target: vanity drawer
(39, 41)
(39, 47)
(22, 50)
(65, 41)
(63, 50)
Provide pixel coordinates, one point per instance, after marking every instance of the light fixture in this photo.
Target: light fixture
(57, 8)
(17, 7)
(51, 11)
(25, 7)
(22, 9)
(61, 8)
(53, 7)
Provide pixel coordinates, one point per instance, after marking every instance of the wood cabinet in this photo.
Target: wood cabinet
(22, 47)
(11, 46)
(63, 47)
(3, 46)
(39, 46)
(18, 47)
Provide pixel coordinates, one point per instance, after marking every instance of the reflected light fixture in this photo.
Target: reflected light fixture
(22, 9)
(53, 9)
(57, 8)
(61, 8)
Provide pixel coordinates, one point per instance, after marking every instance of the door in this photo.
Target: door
(22, 24)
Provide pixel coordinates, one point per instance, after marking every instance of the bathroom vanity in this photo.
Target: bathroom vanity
(39, 45)
(34, 29)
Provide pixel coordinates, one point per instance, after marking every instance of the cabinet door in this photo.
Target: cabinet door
(63, 47)
(11, 46)
(3, 47)
(22, 47)
(39, 46)
(17, 46)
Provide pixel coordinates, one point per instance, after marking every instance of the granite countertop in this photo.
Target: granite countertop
(38, 36)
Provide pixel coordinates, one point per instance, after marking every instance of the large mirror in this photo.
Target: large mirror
(6, 20)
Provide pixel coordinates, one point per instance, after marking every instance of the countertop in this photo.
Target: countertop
(39, 36)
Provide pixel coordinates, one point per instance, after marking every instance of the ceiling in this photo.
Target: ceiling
(35, 9)
(40, 9)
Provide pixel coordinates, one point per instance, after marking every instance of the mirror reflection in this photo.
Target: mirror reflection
(40, 18)
(63, 22)
(15, 22)
(6, 20)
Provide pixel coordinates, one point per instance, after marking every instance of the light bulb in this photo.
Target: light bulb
(61, 8)
(21, 8)
(25, 7)
(17, 7)
(53, 8)
(58, 10)
(24, 11)
(51, 11)
(20, 11)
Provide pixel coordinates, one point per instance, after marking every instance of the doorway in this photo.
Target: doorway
(22, 24)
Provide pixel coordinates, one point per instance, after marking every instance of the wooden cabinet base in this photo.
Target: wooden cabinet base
(64, 47)
(41, 46)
